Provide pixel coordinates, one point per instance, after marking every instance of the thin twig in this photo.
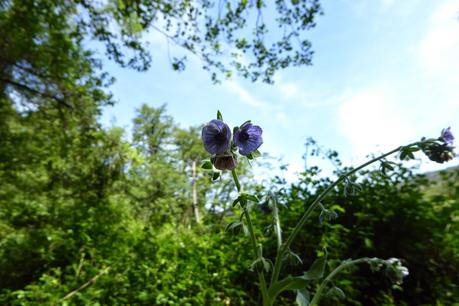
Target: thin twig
(89, 282)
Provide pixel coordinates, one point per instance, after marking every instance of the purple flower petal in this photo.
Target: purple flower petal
(224, 162)
(248, 138)
(216, 136)
(447, 136)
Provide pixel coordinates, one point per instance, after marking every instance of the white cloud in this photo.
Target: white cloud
(379, 117)
(438, 59)
(289, 90)
(244, 95)
(372, 119)
(296, 93)
(438, 51)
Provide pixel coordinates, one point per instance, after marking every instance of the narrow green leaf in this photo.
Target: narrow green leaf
(327, 215)
(235, 202)
(249, 197)
(302, 297)
(266, 264)
(206, 164)
(336, 292)
(261, 263)
(219, 116)
(288, 283)
(294, 257)
(255, 154)
(215, 176)
(317, 269)
(233, 226)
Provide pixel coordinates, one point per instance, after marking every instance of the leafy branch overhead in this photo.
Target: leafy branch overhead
(227, 36)
(212, 30)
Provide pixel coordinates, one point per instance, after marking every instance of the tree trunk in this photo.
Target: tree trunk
(195, 196)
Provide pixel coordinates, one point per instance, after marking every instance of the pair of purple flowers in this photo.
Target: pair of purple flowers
(216, 136)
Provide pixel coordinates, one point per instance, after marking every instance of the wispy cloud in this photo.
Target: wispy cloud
(438, 51)
(372, 118)
(243, 94)
(294, 92)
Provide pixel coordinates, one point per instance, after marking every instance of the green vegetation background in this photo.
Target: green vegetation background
(90, 218)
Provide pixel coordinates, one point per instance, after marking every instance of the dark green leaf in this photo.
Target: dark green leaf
(288, 283)
(327, 215)
(302, 297)
(219, 116)
(261, 263)
(294, 258)
(249, 197)
(233, 226)
(336, 292)
(255, 154)
(317, 269)
(206, 164)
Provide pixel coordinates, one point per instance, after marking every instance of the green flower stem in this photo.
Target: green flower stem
(315, 300)
(277, 226)
(278, 231)
(286, 246)
(253, 239)
(236, 180)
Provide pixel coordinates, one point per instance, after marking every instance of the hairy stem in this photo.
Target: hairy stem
(316, 203)
(278, 231)
(315, 300)
(253, 240)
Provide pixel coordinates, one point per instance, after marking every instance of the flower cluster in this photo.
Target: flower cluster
(216, 136)
(395, 270)
(440, 150)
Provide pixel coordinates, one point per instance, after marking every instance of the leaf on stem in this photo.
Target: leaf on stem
(327, 215)
(292, 257)
(317, 269)
(302, 297)
(254, 155)
(261, 263)
(244, 197)
(406, 152)
(206, 164)
(386, 166)
(215, 175)
(219, 116)
(336, 293)
(288, 283)
(234, 226)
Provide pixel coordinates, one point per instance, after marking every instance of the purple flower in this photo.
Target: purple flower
(216, 136)
(224, 162)
(248, 138)
(447, 136)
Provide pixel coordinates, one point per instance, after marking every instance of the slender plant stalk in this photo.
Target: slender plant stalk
(315, 300)
(89, 282)
(278, 231)
(253, 239)
(277, 226)
(316, 203)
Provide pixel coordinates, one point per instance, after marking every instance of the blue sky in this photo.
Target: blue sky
(384, 73)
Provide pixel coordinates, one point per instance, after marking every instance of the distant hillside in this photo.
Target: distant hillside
(443, 181)
(437, 175)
